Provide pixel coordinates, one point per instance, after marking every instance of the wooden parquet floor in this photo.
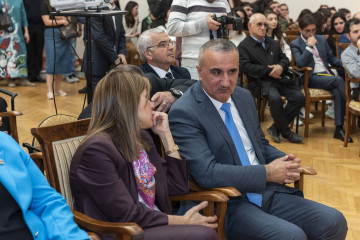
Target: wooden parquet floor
(337, 183)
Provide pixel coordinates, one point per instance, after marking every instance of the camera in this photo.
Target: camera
(223, 31)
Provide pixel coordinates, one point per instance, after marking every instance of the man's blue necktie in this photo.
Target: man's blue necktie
(230, 124)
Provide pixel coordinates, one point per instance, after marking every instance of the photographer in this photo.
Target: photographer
(193, 26)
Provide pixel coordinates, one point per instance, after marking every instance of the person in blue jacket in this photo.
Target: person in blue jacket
(29, 207)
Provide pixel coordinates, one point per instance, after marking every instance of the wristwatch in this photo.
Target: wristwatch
(176, 92)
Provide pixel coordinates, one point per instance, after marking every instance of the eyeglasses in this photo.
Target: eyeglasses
(262, 24)
(163, 44)
(310, 30)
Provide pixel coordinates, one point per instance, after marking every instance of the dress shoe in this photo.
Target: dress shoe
(294, 138)
(274, 134)
(37, 79)
(83, 90)
(340, 134)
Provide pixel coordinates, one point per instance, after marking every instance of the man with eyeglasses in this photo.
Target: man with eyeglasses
(168, 82)
(262, 58)
(310, 50)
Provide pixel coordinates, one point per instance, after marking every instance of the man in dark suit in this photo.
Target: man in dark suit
(168, 82)
(262, 57)
(216, 127)
(310, 50)
(109, 45)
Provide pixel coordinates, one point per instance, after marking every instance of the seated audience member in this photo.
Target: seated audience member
(5, 126)
(168, 82)
(284, 12)
(295, 25)
(247, 8)
(30, 208)
(332, 11)
(118, 160)
(337, 28)
(261, 56)
(327, 15)
(346, 13)
(310, 50)
(239, 36)
(192, 21)
(131, 19)
(344, 38)
(350, 57)
(275, 6)
(216, 127)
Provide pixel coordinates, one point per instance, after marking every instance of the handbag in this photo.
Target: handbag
(69, 31)
(5, 20)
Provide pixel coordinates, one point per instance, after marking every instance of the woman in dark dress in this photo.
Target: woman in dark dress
(117, 175)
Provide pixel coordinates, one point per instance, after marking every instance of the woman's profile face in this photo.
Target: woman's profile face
(135, 11)
(339, 25)
(145, 111)
(272, 21)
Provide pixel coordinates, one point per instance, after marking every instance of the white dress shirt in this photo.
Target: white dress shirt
(160, 71)
(319, 64)
(239, 125)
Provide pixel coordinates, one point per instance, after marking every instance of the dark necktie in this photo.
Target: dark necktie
(169, 75)
(230, 124)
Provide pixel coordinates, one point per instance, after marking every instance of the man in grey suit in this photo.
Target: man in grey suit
(216, 128)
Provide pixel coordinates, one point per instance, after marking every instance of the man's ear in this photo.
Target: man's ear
(348, 36)
(147, 55)
(199, 70)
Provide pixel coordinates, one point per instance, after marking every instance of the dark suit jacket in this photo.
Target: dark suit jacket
(304, 58)
(104, 186)
(107, 43)
(254, 61)
(206, 144)
(177, 72)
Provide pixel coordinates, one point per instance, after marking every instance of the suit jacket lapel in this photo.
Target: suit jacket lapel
(211, 112)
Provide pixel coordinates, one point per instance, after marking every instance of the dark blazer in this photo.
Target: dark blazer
(107, 43)
(177, 72)
(104, 186)
(304, 58)
(206, 144)
(254, 61)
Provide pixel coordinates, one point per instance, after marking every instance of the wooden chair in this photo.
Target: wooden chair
(58, 144)
(342, 46)
(312, 95)
(292, 32)
(352, 108)
(11, 115)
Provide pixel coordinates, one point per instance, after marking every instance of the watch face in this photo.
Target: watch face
(176, 92)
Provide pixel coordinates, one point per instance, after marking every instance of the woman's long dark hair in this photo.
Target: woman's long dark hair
(277, 31)
(129, 18)
(331, 40)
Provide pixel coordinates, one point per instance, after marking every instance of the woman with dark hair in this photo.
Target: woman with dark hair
(131, 32)
(337, 28)
(321, 22)
(273, 31)
(327, 15)
(295, 25)
(118, 161)
(346, 13)
(240, 35)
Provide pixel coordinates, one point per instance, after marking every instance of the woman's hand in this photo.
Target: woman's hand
(195, 218)
(26, 35)
(160, 123)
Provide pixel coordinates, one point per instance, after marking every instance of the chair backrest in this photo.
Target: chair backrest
(343, 46)
(58, 144)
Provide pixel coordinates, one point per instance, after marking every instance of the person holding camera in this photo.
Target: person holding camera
(193, 25)
(262, 57)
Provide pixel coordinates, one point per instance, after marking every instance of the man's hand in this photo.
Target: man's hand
(311, 41)
(123, 59)
(283, 170)
(276, 72)
(163, 101)
(212, 24)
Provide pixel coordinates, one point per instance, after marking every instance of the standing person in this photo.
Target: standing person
(216, 127)
(310, 50)
(131, 32)
(191, 20)
(13, 45)
(118, 160)
(109, 46)
(35, 46)
(262, 57)
(62, 50)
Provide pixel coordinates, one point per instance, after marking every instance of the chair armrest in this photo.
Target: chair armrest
(31, 148)
(36, 156)
(302, 69)
(213, 196)
(309, 171)
(228, 191)
(93, 236)
(11, 114)
(108, 227)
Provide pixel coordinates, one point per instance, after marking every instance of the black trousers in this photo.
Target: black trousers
(283, 116)
(35, 51)
(5, 120)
